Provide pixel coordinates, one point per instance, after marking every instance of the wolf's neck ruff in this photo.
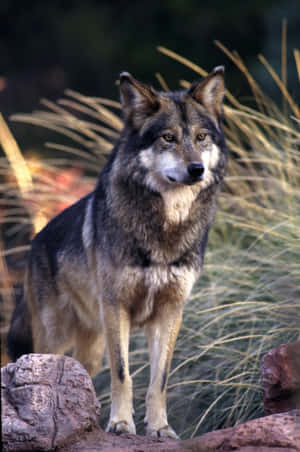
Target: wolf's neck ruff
(178, 204)
(147, 217)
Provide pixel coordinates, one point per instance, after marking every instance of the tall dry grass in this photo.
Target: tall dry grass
(248, 299)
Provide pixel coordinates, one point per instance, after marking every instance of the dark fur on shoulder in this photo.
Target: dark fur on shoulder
(127, 255)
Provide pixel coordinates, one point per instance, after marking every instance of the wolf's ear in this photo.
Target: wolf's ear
(138, 100)
(210, 91)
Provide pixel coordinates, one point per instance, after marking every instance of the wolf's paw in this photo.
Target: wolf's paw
(121, 427)
(164, 432)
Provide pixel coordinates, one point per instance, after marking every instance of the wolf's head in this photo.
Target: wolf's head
(176, 137)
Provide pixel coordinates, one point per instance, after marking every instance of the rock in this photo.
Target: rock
(280, 370)
(274, 433)
(46, 401)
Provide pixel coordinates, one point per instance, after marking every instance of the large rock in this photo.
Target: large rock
(280, 371)
(46, 401)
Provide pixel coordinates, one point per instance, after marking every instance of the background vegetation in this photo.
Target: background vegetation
(248, 299)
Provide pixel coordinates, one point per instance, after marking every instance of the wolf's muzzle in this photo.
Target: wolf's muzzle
(195, 170)
(186, 175)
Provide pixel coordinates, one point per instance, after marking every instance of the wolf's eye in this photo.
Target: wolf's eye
(201, 136)
(168, 137)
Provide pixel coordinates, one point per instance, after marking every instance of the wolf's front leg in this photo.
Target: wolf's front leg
(117, 327)
(161, 333)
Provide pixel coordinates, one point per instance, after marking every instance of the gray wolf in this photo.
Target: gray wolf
(127, 254)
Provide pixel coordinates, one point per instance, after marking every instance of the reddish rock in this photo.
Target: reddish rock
(46, 400)
(274, 433)
(280, 370)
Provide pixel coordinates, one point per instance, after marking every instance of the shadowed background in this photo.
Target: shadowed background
(48, 46)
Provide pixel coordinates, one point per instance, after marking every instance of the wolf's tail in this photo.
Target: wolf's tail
(19, 338)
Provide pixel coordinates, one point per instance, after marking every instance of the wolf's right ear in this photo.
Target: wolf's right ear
(139, 101)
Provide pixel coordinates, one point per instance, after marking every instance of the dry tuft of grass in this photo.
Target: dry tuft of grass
(248, 299)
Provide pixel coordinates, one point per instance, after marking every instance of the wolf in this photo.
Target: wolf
(128, 254)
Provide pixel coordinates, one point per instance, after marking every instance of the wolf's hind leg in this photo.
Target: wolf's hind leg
(50, 331)
(89, 349)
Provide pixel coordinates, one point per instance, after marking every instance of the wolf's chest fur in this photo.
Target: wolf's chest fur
(159, 253)
(177, 204)
(142, 290)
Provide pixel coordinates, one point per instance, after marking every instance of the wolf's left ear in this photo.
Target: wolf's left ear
(138, 100)
(210, 91)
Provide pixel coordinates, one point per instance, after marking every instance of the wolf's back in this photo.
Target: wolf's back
(19, 338)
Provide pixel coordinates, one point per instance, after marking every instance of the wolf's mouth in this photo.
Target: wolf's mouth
(171, 179)
(184, 180)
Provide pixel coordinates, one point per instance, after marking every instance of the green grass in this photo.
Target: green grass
(248, 298)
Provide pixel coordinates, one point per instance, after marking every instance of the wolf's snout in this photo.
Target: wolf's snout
(186, 175)
(195, 170)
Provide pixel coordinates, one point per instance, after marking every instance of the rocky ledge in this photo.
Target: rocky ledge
(49, 402)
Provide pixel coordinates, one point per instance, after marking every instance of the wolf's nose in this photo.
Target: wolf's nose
(195, 170)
